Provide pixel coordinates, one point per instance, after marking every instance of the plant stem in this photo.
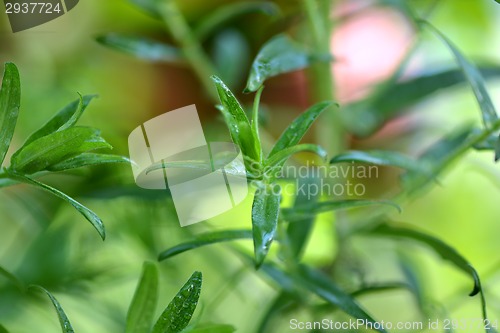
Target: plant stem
(330, 134)
(191, 48)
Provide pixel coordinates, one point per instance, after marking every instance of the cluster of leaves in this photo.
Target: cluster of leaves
(59, 145)
(174, 319)
(281, 55)
(295, 280)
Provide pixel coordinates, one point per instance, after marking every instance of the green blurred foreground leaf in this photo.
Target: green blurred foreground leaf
(142, 47)
(321, 285)
(87, 213)
(3, 329)
(63, 319)
(180, 310)
(210, 328)
(10, 101)
(445, 251)
(206, 239)
(265, 212)
(142, 309)
(12, 279)
(442, 249)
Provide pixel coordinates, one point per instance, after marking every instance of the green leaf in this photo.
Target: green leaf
(298, 128)
(12, 278)
(3, 329)
(282, 156)
(378, 288)
(56, 147)
(211, 328)
(363, 118)
(298, 233)
(379, 157)
(322, 286)
(180, 310)
(312, 209)
(142, 309)
(276, 307)
(255, 120)
(64, 119)
(237, 121)
(63, 319)
(265, 212)
(148, 6)
(278, 56)
(142, 47)
(444, 250)
(206, 239)
(220, 16)
(10, 101)
(474, 78)
(87, 213)
(437, 157)
(87, 159)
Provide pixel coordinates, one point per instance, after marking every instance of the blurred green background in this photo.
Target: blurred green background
(45, 242)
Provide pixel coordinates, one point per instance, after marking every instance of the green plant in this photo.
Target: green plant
(290, 226)
(57, 146)
(174, 319)
(282, 224)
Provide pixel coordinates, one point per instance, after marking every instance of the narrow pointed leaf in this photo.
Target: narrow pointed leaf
(56, 147)
(363, 118)
(474, 78)
(221, 15)
(237, 121)
(87, 213)
(379, 157)
(265, 212)
(444, 250)
(322, 286)
(88, 159)
(298, 233)
(10, 101)
(298, 128)
(63, 319)
(310, 210)
(142, 309)
(282, 156)
(178, 313)
(142, 47)
(206, 239)
(278, 56)
(64, 119)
